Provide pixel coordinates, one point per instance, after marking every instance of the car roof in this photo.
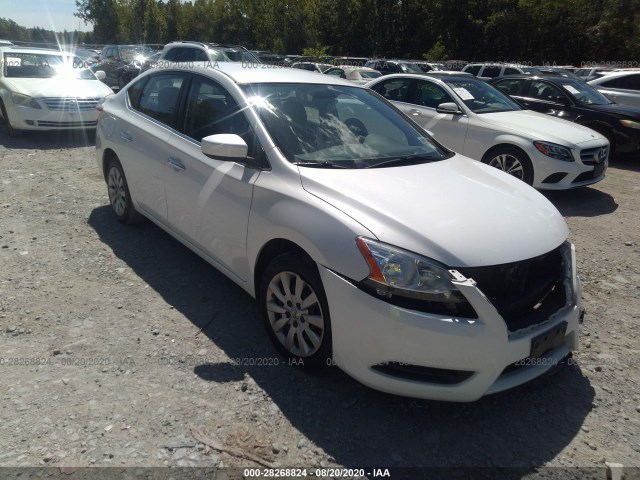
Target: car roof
(193, 43)
(616, 74)
(430, 76)
(551, 78)
(451, 73)
(240, 74)
(354, 67)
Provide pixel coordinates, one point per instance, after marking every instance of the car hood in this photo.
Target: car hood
(457, 211)
(539, 126)
(58, 87)
(618, 109)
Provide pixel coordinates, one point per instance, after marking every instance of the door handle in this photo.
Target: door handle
(414, 112)
(177, 164)
(126, 137)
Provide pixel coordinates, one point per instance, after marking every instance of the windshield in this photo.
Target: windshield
(43, 65)
(480, 97)
(338, 126)
(129, 54)
(585, 94)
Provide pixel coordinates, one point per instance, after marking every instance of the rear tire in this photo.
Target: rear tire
(119, 195)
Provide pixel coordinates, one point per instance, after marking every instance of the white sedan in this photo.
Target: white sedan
(367, 245)
(41, 90)
(474, 118)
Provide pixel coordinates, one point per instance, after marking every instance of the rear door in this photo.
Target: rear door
(154, 102)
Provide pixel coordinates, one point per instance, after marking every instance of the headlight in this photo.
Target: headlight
(397, 272)
(630, 124)
(24, 100)
(554, 150)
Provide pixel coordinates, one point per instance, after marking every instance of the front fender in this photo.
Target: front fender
(325, 233)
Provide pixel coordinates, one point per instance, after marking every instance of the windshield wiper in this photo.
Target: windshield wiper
(323, 164)
(404, 160)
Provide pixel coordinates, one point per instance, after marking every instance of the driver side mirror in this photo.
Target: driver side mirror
(449, 108)
(100, 74)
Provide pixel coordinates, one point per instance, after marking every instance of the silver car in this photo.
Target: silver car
(366, 243)
(620, 86)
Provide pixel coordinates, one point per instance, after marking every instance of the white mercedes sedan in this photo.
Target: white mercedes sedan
(41, 89)
(476, 119)
(367, 244)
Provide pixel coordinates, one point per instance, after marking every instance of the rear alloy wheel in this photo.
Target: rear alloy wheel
(512, 161)
(295, 311)
(119, 195)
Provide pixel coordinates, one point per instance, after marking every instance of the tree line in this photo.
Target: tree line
(10, 30)
(561, 31)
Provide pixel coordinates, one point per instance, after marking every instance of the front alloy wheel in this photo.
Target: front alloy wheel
(295, 310)
(511, 161)
(13, 132)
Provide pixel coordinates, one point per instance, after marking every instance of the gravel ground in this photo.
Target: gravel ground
(120, 347)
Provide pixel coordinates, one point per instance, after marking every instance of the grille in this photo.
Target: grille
(591, 156)
(71, 103)
(525, 293)
(42, 123)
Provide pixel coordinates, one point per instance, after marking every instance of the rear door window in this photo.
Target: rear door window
(160, 96)
(395, 89)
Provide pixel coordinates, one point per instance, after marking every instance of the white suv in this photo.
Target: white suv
(186, 51)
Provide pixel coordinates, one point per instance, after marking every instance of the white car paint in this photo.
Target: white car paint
(474, 134)
(64, 101)
(455, 211)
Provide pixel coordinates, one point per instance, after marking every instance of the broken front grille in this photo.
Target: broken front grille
(525, 293)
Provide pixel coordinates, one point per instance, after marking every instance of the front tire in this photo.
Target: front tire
(13, 132)
(512, 161)
(295, 310)
(119, 195)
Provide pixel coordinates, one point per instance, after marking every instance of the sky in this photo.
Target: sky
(54, 15)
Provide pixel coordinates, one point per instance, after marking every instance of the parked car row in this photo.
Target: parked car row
(318, 196)
(471, 117)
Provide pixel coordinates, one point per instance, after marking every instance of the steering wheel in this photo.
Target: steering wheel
(357, 128)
